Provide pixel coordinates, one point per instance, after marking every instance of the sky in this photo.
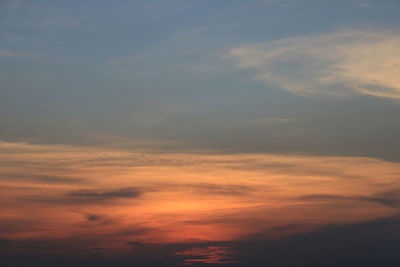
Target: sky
(199, 133)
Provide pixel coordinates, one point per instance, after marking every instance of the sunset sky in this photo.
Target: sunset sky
(200, 133)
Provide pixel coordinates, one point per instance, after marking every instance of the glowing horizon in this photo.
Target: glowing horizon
(114, 197)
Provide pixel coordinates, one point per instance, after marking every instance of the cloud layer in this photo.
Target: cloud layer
(336, 64)
(156, 197)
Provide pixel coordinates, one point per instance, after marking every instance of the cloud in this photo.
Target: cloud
(45, 179)
(87, 197)
(5, 242)
(131, 230)
(96, 219)
(93, 217)
(90, 196)
(159, 197)
(135, 244)
(337, 64)
(98, 194)
(326, 197)
(209, 254)
(387, 198)
(369, 243)
(219, 189)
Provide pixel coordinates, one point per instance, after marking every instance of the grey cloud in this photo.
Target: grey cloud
(90, 196)
(93, 217)
(135, 244)
(295, 169)
(326, 197)
(133, 230)
(5, 242)
(46, 179)
(208, 188)
(387, 198)
(94, 195)
(366, 244)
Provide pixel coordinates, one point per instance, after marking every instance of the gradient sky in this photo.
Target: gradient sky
(169, 132)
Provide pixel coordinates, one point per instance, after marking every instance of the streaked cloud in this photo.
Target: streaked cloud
(99, 194)
(134, 244)
(209, 255)
(40, 179)
(389, 198)
(336, 64)
(152, 196)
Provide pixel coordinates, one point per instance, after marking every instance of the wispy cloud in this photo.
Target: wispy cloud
(135, 244)
(337, 64)
(40, 179)
(389, 198)
(101, 195)
(159, 197)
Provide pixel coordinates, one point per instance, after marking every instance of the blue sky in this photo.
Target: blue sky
(100, 72)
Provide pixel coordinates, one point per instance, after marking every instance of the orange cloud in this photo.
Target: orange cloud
(112, 197)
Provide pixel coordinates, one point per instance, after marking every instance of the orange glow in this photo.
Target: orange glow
(113, 197)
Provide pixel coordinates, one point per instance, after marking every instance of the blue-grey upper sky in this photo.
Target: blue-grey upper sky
(292, 76)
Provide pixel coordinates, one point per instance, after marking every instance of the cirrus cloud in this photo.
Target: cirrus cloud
(338, 64)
